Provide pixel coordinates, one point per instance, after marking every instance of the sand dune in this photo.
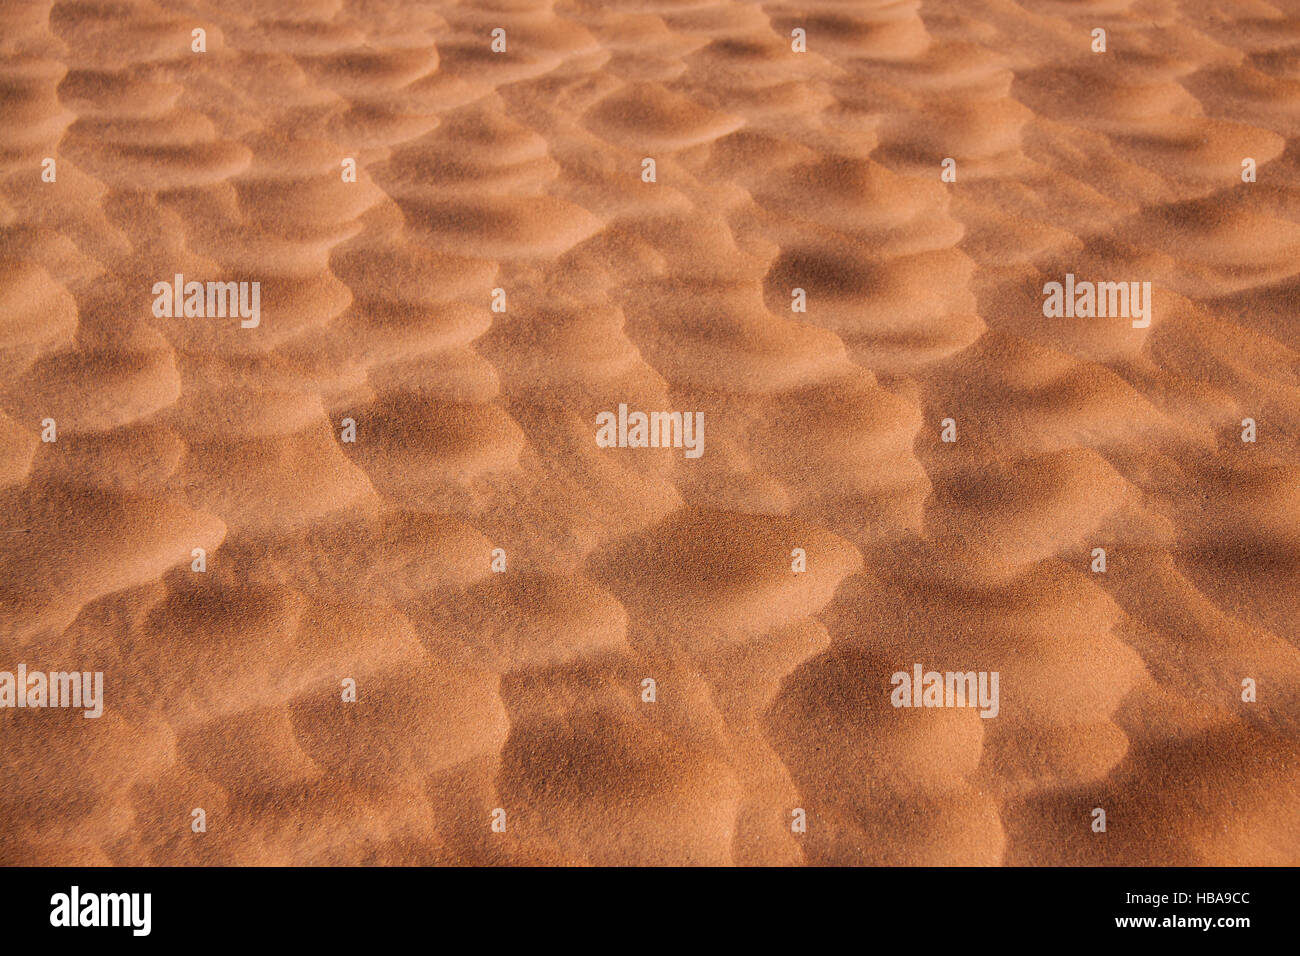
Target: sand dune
(641, 656)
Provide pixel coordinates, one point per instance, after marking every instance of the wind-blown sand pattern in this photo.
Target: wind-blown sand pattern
(475, 429)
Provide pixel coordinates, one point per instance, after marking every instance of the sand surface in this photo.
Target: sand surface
(371, 560)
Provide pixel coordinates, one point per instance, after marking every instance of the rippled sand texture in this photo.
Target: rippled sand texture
(475, 430)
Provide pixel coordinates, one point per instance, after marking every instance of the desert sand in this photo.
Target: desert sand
(327, 561)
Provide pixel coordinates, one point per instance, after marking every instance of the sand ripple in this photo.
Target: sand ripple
(775, 171)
